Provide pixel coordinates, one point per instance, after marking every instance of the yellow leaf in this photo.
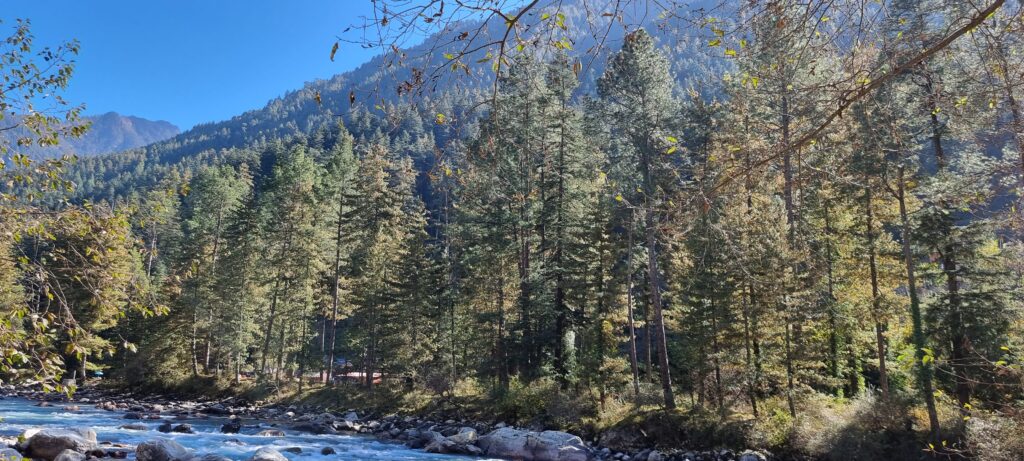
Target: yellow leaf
(730, 52)
(618, 197)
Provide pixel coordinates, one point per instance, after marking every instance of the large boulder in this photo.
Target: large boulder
(162, 450)
(48, 443)
(267, 454)
(534, 446)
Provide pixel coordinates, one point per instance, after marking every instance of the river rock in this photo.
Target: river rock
(70, 455)
(315, 428)
(48, 443)
(295, 450)
(210, 457)
(162, 450)
(267, 454)
(270, 433)
(10, 454)
(133, 415)
(466, 435)
(135, 427)
(328, 451)
(217, 409)
(183, 429)
(231, 427)
(346, 425)
(440, 445)
(166, 427)
(752, 456)
(424, 438)
(534, 446)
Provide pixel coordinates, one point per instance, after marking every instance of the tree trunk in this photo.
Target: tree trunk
(924, 369)
(335, 292)
(787, 173)
(876, 298)
(960, 340)
(833, 334)
(630, 321)
(271, 317)
(502, 359)
(654, 279)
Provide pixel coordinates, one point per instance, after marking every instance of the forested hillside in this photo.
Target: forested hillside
(376, 99)
(761, 235)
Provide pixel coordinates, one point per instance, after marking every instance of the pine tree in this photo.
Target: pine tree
(637, 90)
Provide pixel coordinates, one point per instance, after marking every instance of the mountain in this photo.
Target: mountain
(322, 104)
(112, 132)
(108, 133)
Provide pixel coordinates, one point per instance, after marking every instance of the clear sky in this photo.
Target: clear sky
(192, 61)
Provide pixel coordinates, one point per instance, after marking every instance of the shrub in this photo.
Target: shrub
(992, 438)
(543, 403)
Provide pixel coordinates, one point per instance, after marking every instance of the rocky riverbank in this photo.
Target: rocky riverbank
(434, 435)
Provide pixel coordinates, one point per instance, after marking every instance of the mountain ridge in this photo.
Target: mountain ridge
(109, 133)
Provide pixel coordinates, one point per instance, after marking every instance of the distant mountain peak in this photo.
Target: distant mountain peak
(111, 132)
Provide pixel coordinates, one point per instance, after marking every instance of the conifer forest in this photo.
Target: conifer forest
(789, 226)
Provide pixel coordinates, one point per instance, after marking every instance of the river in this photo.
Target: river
(19, 414)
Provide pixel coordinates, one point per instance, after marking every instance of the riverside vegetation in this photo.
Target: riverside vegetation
(805, 245)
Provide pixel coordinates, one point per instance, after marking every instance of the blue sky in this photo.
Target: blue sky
(192, 61)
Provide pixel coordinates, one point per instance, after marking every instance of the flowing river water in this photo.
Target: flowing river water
(17, 415)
